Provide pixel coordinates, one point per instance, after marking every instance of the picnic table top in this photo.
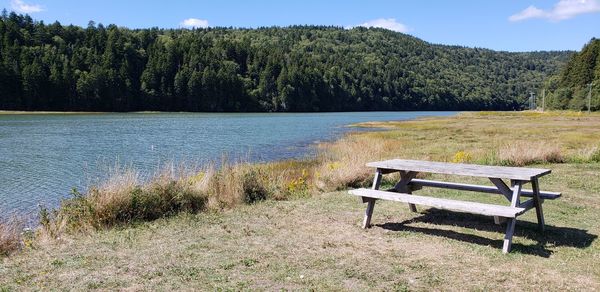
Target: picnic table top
(506, 172)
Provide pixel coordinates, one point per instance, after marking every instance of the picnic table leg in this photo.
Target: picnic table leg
(510, 229)
(537, 201)
(370, 201)
(510, 225)
(499, 220)
(402, 186)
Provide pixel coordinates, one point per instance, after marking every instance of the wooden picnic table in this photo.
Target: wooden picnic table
(408, 169)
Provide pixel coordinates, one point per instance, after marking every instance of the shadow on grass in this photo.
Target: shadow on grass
(553, 236)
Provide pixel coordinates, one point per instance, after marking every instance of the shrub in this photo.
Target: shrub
(254, 186)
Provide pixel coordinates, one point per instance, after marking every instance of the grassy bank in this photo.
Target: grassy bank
(314, 240)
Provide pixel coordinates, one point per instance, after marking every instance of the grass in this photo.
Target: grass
(289, 231)
(10, 236)
(523, 153)
(125, 199)
(508, 138)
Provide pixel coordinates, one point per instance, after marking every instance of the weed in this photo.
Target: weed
(248, 262)
(461, 156)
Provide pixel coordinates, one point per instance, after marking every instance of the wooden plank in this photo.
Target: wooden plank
(402, 186)
(510, 230)
(445, 204)
(516, 173)
(377, 180)
(537, 201)
(371, 201)
(417, 183)
(529, 204)
(516, 196)
(405, 178)
(368, 212)
(510, 225)
(502, 187)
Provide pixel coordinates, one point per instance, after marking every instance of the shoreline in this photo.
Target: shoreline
(12, 112)
(4, 112)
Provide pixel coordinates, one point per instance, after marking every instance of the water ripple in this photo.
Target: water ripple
(43, 156)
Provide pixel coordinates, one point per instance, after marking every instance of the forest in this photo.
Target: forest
(269, 69)
(578, 83)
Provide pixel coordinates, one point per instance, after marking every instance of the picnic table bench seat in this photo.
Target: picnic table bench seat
(417, 184)
(443, 204)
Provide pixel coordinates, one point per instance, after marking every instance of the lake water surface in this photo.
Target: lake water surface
(42, 157)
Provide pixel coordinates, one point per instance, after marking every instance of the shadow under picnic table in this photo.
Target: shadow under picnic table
(553, 236)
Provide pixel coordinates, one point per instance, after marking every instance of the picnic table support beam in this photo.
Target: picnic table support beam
(510, 225)
(402, 186)
(370, 201)
(502, 187)
(537, 202)
(505, 191)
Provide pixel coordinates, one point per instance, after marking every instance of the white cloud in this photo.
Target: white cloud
(387, 23)
(194, 23)
(22, 7)
(562, 10)
(529, 12)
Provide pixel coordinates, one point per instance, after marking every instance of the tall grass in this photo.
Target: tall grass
(124, 198)
(342, 163)
(586, 155)
(521, 153)
(10, 236)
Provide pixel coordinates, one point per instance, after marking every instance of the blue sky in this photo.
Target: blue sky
(523, 25)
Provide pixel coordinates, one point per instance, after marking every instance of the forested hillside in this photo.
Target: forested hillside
(570, 88)
(299, 68)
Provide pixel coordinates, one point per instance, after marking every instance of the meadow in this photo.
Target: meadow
(291, 225)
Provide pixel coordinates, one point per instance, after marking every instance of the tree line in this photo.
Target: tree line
(296, 68)
(578, 80)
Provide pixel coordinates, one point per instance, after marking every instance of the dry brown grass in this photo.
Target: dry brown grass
(124, 198)
(10, 236)
(342, 163)
(232, 185)
(521, 153)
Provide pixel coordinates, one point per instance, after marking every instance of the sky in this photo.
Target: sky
(507, 25)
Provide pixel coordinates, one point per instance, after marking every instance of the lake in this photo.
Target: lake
(43, 156)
